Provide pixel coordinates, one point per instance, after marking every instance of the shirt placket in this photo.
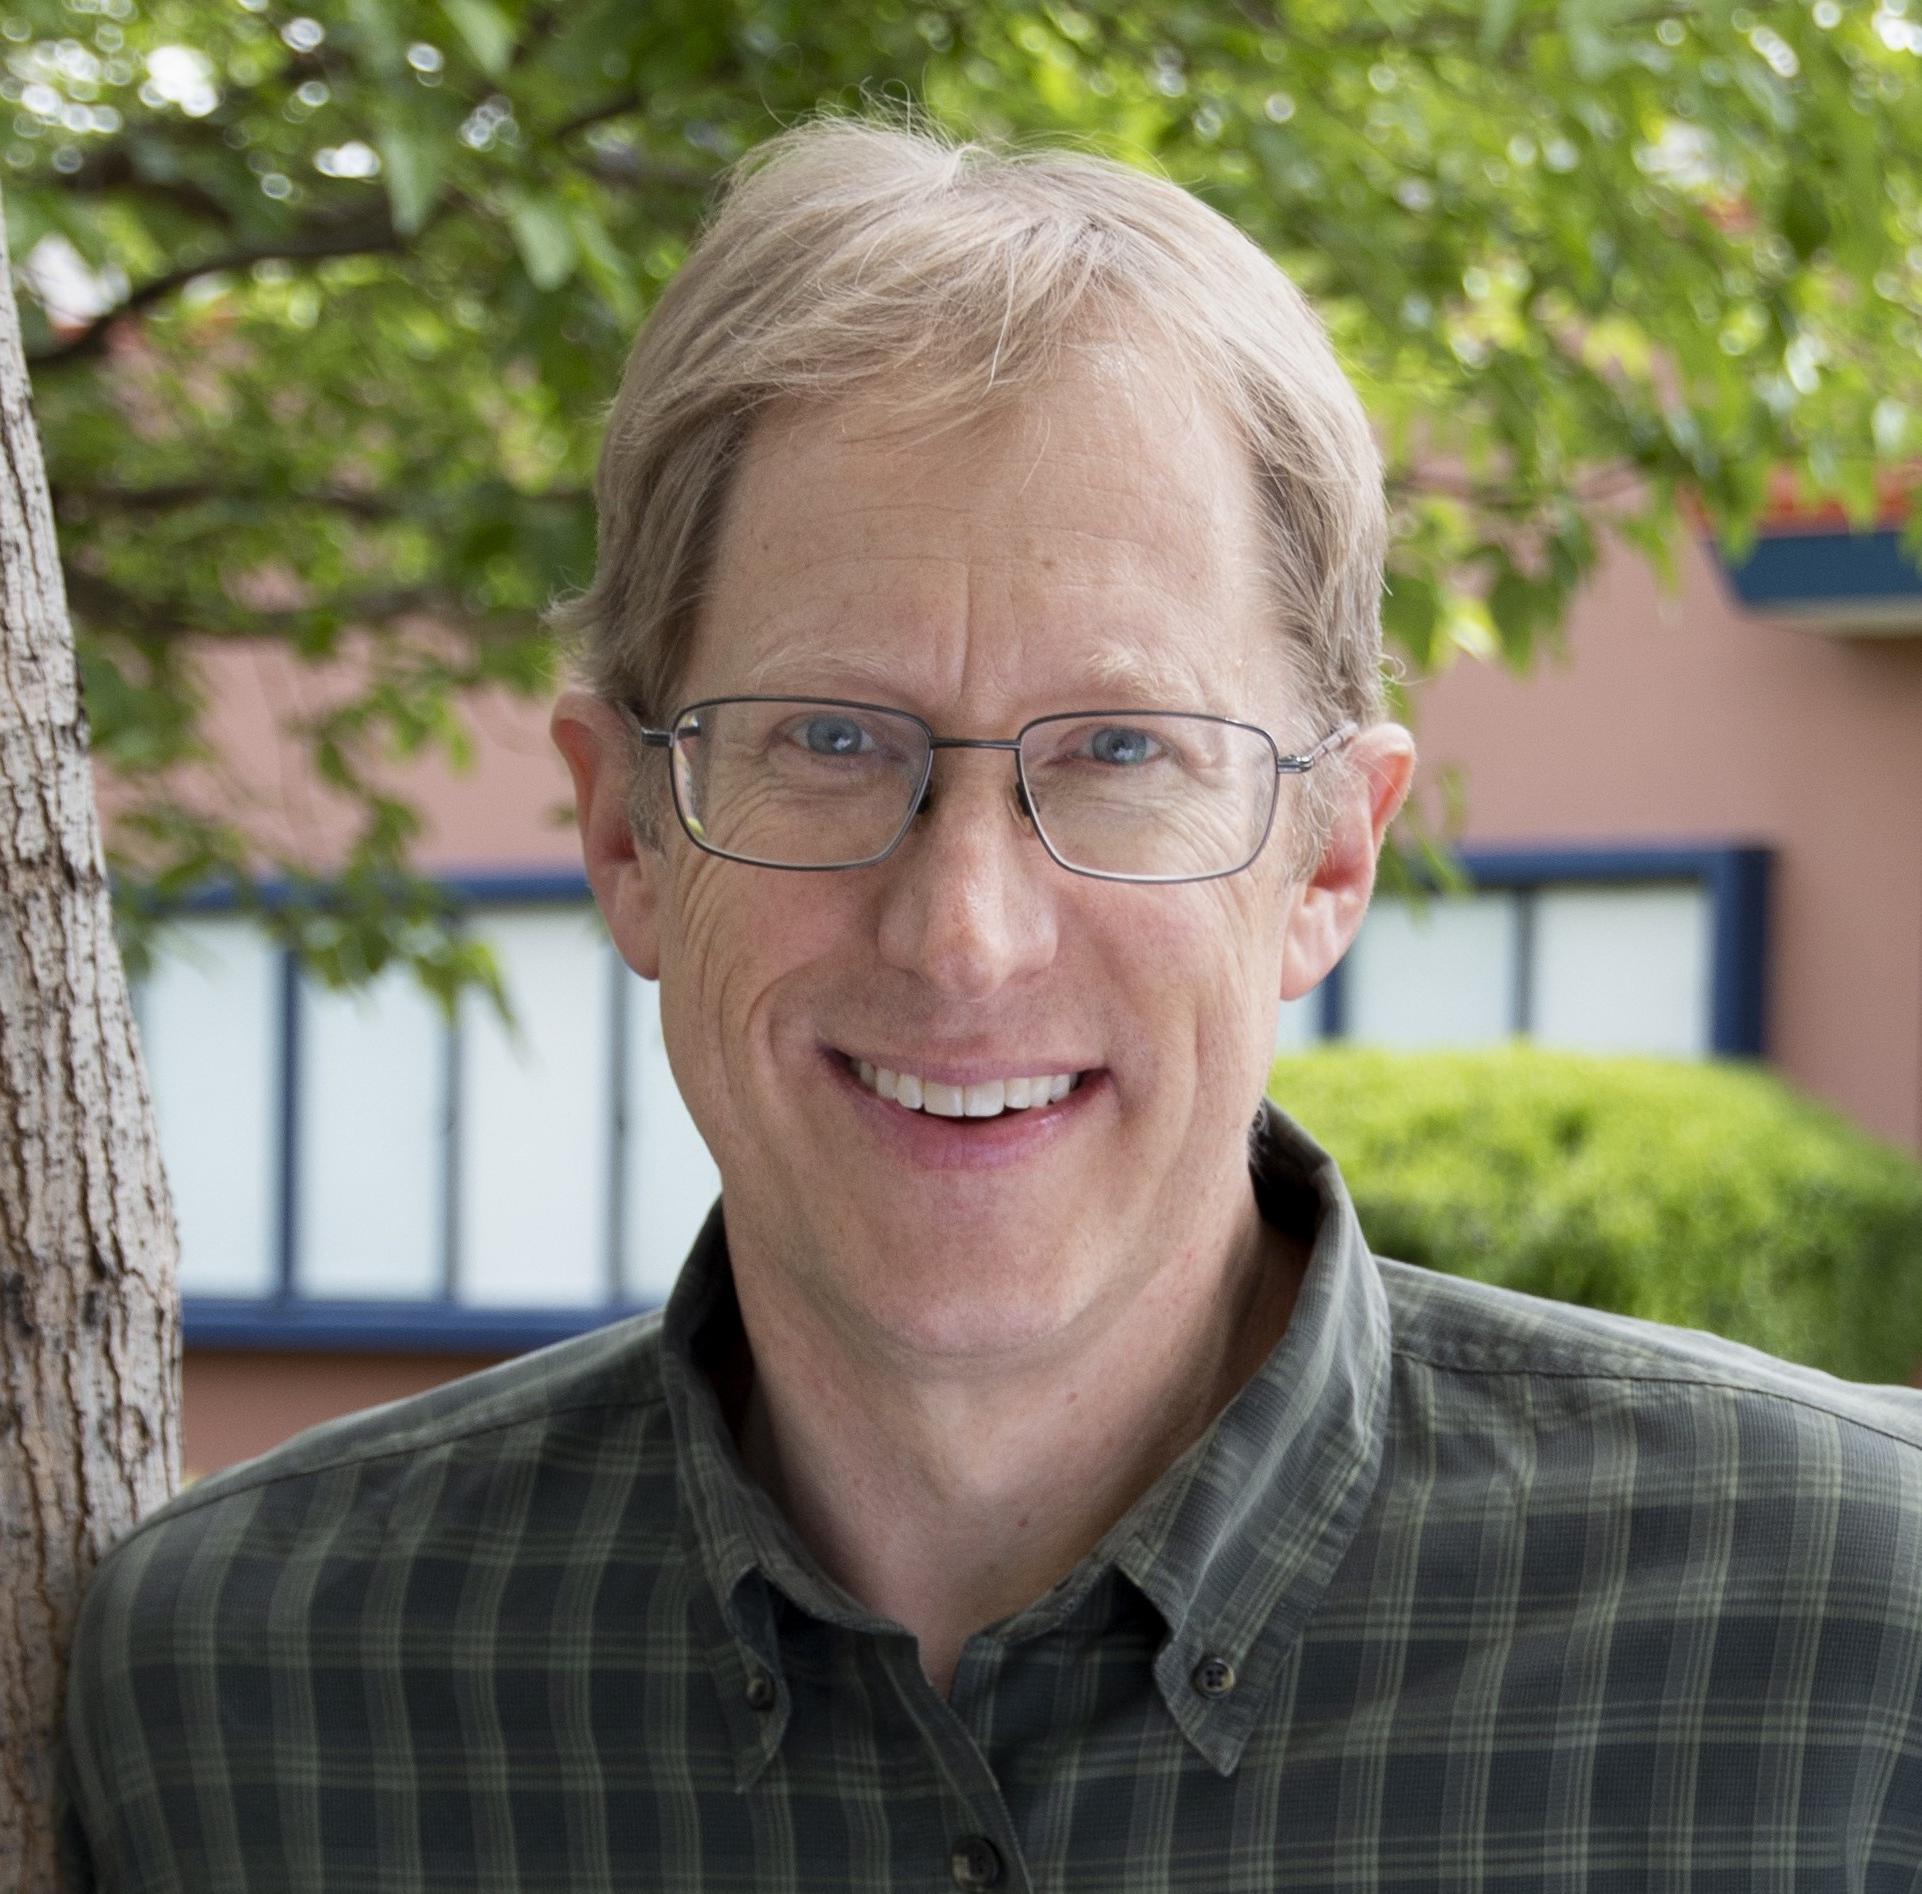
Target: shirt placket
(984, 1849)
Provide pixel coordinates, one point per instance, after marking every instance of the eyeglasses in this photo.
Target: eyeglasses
(1123, 795)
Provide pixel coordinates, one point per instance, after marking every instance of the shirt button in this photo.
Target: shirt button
(976, 1862)
(1213, 1677)
(760, 1689)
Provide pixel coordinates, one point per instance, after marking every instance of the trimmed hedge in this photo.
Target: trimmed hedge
(1710, 1196)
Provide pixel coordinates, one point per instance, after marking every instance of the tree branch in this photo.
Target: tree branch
(111, 168)
(160, 497)
(162, 619)
(1600, 483)
(627, 169)
(367, 235)
(616, 107)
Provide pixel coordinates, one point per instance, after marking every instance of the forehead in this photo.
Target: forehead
(1098, 533)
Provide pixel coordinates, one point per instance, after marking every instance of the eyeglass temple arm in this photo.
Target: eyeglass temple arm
(1300, 765)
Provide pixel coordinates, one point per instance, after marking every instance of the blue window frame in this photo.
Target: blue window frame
(1732, 880)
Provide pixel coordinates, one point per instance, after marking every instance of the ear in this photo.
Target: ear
(626, 874)
(1328, 911)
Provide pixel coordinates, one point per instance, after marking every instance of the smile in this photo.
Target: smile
(987, 1098)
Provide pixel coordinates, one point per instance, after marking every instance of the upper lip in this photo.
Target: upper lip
(973, 1070)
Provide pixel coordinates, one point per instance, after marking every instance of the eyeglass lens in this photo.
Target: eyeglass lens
(1157, 795)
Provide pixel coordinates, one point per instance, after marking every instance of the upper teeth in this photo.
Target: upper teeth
(983, 1100)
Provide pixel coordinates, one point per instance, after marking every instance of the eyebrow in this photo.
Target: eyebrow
(1110, 668)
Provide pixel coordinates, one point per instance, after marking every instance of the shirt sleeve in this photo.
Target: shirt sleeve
(102, 1754)
(76, 1853)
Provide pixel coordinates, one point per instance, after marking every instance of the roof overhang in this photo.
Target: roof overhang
(1842, 583)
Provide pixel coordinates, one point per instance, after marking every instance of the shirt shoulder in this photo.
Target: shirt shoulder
(1470, 1329)
(284, 1580)
(1668, 1470)
(496, 1452)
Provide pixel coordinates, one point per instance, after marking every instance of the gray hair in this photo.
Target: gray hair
(850, 255)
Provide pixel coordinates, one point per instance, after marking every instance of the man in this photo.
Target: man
(1034, 1482)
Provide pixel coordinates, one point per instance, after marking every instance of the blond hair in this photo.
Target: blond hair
(850, 256)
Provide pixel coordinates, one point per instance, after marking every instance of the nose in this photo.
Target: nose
(969, 903)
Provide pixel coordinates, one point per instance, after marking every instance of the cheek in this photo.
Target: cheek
(709, 983)
(733, 939)
(701, 894)
(1222, 965)
(1200, 983)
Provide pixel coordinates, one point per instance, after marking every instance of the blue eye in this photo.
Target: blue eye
(833, 736)
(1121, 746)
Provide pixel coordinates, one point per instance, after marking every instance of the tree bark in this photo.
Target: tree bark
(89, 1320)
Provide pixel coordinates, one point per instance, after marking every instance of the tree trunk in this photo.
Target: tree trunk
(89, 1322)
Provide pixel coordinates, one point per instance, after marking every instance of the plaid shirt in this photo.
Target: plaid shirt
(1463, 1590)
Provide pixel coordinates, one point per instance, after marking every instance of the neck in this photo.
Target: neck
(948, 1502)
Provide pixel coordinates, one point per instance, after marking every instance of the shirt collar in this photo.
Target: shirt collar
(1234, 1544)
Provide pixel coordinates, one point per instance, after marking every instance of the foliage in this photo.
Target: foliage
(1708, 1196)
(372, 270)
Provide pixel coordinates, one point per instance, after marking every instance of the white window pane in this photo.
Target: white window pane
(1440, 975)
(1623, 969)
(1299, 1024)
(209, 1033)
(671, 1179)
(536, 1116)
(371, 1140)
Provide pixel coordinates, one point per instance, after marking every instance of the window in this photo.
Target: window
(1605, 950)
(207, 1018)
(349, 1169)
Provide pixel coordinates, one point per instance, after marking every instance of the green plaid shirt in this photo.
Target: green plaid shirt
(1463, 1590)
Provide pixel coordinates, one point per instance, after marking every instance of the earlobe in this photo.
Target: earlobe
(624, 871)
(1329, 908)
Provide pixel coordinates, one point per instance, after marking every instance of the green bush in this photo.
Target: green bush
(1709, 1196)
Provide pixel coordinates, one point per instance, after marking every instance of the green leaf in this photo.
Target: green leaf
(1514, 603)
(374, 22)
(1466, 626)
(1805, 217)
(411, 164)
(1593, 38)
(614, 276)
(486, 31)
(544, 239)
(1410, 612)
(1498, 20)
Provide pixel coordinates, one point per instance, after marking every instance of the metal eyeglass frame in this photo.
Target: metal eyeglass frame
(918, 800)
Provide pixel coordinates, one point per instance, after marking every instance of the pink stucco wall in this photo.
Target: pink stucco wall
(235, 1404)
(511, 810)
(1683, 717)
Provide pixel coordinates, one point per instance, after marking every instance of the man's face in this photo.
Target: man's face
(1095, 549)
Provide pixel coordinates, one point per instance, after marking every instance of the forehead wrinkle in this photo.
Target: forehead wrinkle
(1044, 560)
(1106, 670)
(783, 671)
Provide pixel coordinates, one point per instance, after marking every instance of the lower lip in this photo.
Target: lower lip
(967, 1144)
